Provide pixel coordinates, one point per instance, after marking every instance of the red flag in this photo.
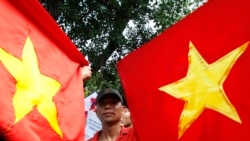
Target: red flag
(41, 86)
(191, 82)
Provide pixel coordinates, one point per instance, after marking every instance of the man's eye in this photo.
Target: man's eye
(101, 104)
(114, 102)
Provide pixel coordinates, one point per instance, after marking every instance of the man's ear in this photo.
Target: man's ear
(126, 109)
(123, 109)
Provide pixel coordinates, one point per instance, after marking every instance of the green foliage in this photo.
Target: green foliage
(107, 30)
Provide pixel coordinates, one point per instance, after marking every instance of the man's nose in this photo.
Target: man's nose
(107, 105)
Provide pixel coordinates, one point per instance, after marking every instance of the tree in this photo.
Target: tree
(107, 30)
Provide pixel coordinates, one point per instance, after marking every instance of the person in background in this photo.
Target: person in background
(126, 120)
(109, 109)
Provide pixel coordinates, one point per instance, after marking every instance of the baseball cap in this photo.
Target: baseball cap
(108, 91)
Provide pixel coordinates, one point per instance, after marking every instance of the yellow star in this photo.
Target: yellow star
(203, 87)
(32, 88)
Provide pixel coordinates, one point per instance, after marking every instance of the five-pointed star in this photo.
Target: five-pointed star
(203, 87)
(32, 88)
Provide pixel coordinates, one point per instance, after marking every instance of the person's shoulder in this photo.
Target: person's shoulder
(95, 137)
(128, 134)
(127, 130)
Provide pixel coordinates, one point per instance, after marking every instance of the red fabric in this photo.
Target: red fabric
(58, 59)
(127, 134)
(215, 29)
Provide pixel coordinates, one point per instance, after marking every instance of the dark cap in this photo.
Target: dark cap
(108, 91)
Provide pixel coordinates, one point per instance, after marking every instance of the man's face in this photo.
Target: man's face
(109, 109)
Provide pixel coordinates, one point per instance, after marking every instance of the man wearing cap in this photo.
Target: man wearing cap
(109, 109)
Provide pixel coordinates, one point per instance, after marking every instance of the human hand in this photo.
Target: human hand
(86, 72)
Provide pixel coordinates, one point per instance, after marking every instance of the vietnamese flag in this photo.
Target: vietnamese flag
(191, 83)
(41, 87)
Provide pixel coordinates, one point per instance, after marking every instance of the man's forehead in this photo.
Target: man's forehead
(110, 96)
